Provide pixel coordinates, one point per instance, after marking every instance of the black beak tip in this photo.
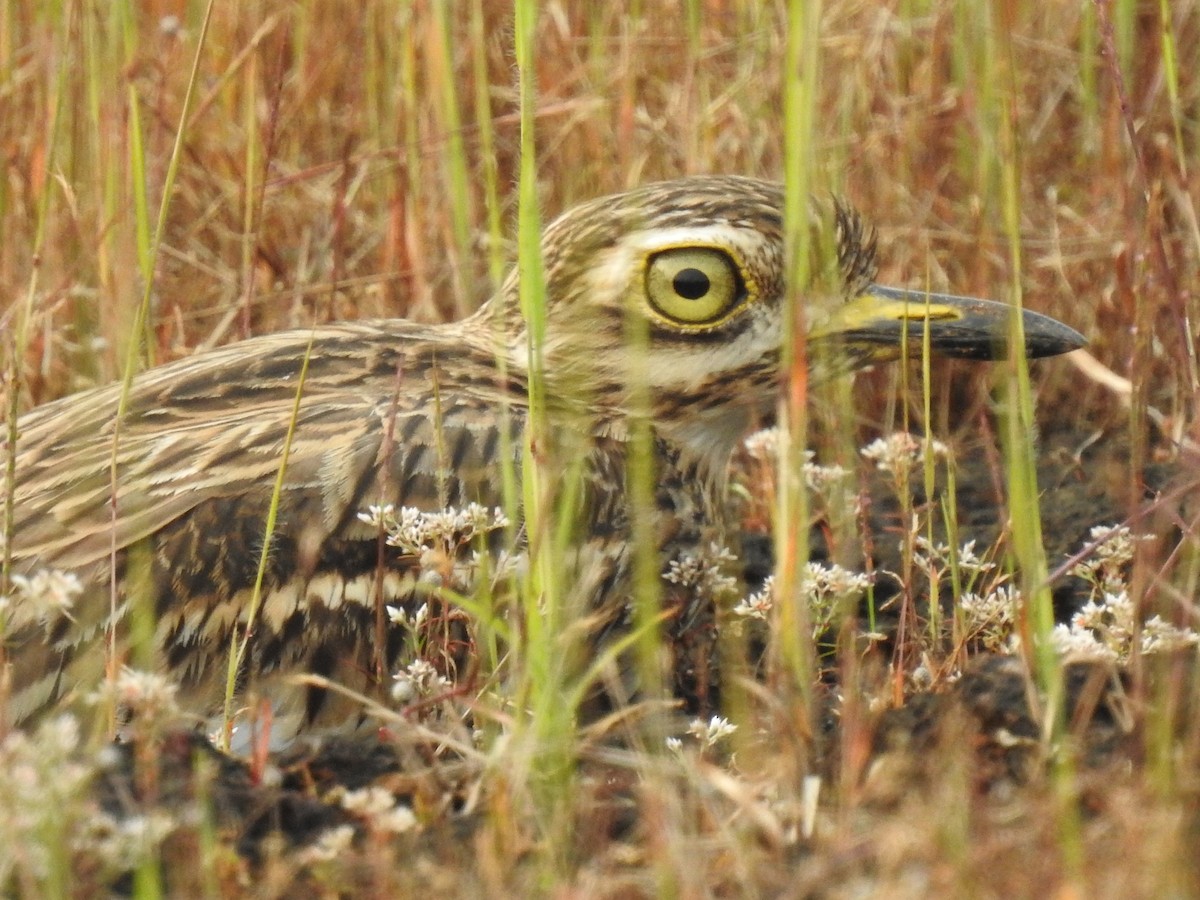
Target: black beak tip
(1045, 336)
(957, 327)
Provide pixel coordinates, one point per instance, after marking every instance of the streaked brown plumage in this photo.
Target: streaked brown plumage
(417, 415)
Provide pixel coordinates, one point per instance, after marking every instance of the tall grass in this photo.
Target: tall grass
(801, 92)
(1028, 548)
(343, 160)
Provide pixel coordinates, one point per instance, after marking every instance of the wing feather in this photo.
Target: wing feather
(391, 412)
(215, 426)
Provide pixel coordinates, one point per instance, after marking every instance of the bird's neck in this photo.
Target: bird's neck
(587, 396)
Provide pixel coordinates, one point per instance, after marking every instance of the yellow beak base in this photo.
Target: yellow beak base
(885, 322)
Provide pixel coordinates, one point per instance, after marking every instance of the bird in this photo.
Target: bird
(664, 305)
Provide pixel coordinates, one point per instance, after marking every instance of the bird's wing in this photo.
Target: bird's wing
(389, 413)
(214, 427)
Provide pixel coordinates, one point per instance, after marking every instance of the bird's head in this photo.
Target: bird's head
(672, 297)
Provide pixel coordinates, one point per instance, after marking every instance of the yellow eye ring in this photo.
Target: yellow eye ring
(694, 286)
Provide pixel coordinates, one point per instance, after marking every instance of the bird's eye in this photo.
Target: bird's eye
(694, 285)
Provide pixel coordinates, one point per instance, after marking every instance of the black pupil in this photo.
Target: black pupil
(691, 284)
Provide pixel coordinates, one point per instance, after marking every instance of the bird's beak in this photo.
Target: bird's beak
(875, 324)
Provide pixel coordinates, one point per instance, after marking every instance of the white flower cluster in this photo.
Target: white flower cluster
(426, 639)
(1160, 636)
(759, 604)
(331, 844)
(898, 453)
(397, 615)
(418, 680)
(148, 696)
(988, 612)
(440, 542)
(823, 480)
(990, 617)
(821, 582)
(41, 597)
(42, 782)
(709, 733)
(379, 809)
(1103, 629)
(823, 587)
(416, 531)
(706, 574)
(937, 559)
(1104, 567)
(128, 841)
(1106, 627)
(827, 588)
(763, 446)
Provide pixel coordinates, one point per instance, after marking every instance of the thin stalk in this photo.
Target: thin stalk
(238, 647)
(547, 626)
(20, 335)
(801, 92)
(1019, 427)
(457, 177)
(148, 244)
(509, 491)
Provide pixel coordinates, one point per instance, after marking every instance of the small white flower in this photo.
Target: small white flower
(821, 582)
(992, 614)
(332, 844)
(419, 679)
(148, 695)
(759, 604)
(931, 557)
(824, 588)
(969, 561)
(1105, 566)
(706, 573)
(1160, 636)
(763, 444)
(1079, 644)
(368, 801)
(824, 479)
(379, 516)
(899, 452)
(380, 810)
(127, 841)
(711, 732)
(440, 540)
(43, 596)
(399, 819)
(44, 783)
(1109, 619)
